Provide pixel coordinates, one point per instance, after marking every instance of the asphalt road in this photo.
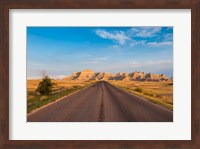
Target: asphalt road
(102, 102)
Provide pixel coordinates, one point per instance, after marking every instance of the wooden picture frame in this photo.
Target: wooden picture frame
(6, 5)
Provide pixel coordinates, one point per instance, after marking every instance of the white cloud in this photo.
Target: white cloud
(118, 36)
(96, 60)
(153, 66)
(134, 42)
(129, 37)
(135, 64)
(34, 73)
(160, 63)
(164, 43)
(168, 37)
(144, 31)
(52, 77)
(34, 78)
(58, 77)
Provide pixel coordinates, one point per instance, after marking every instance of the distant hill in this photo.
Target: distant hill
(87, 74)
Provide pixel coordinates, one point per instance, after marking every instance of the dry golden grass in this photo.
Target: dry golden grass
(158, 91)
(60, 85)
(61, 88)
(32, 84)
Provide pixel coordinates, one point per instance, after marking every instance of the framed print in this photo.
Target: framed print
(103, 74)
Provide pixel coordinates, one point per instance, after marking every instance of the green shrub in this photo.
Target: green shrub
(139, 90)
(45, 86)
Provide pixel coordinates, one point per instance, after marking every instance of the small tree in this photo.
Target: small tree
(45, 86)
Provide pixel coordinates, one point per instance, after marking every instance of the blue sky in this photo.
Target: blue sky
(60, 51)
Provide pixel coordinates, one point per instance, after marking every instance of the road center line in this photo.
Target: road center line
(101, 113)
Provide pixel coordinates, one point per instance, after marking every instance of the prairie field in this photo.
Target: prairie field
(60, 89)
(32, 84)
(157, 92)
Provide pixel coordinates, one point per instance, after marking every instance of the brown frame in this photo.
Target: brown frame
(5, 5)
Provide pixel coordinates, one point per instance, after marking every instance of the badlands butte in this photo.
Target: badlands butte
(88, 74)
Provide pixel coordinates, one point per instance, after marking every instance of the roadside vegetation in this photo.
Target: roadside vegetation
(157, 92)
(42, 92)
(46, 90)
(45, 86)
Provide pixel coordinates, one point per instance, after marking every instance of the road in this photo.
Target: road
(102, 102)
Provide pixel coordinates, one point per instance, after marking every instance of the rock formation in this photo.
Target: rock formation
(134, 76)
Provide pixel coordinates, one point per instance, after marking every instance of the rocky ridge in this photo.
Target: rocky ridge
(134, 76)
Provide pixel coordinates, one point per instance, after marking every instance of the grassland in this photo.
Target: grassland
(157, 92)
(61, 88)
